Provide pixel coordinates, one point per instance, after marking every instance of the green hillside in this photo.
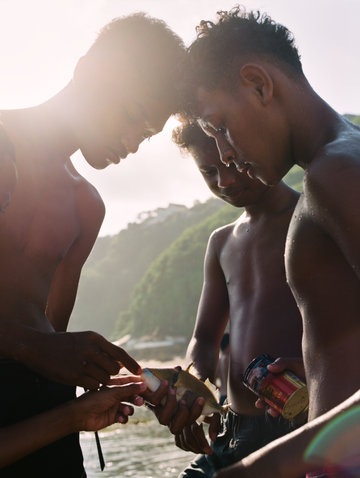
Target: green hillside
(117, 264)
(166, 298)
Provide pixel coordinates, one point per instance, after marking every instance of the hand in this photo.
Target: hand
(192, 438)
(85, 359)
(171, 413)
(294, 365)
(101, 408)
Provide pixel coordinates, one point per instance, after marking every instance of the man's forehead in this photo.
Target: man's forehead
(209, 104)
(155, 111)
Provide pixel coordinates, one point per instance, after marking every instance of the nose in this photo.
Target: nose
(227, 153)
(130, 142)
(133, 136)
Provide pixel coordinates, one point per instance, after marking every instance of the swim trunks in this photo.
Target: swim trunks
(239, 436)
(25, 393)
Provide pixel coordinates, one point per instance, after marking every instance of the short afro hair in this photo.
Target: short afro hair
(215, 58)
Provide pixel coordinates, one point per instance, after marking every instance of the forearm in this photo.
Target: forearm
(205, 357)
(17, 341)
(284, 458)
(27, 436)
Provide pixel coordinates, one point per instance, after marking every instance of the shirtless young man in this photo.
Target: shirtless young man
(244, 283)
(266, 117)
(121, 92)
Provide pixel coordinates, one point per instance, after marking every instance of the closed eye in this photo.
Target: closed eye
(208, 172)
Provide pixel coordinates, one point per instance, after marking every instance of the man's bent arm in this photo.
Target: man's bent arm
(61, 300)
(204, 347)
(212, 316)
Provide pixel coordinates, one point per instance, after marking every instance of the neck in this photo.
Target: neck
(313, 123)
(274, 200)
(49, 125)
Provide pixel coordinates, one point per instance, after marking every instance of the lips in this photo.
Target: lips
(117, 156)
(231, 195)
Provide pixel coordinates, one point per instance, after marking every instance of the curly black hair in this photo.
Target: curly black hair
(215, 58)
(189, 135)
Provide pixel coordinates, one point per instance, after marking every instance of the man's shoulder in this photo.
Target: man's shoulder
(223, 232)
(337, 163)
(89, 201)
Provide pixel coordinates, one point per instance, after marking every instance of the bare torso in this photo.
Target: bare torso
(264, 317)
(322, 262)
(42, 224)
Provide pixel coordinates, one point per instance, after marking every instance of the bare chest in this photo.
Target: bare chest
(41, 221)
(252, 261)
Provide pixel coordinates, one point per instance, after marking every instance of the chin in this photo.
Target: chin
(95, 162)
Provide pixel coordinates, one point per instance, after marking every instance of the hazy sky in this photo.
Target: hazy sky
(41, 41)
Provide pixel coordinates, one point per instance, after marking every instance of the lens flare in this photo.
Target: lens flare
(337, 444)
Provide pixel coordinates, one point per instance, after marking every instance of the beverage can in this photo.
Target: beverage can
(283, 391)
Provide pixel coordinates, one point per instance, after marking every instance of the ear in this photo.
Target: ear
(256, 76)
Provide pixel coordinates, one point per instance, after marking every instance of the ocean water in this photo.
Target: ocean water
(141, 448)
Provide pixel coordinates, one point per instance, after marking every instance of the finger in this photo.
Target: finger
(155, 397)
(195, 410)
(135, 400)
(178, 442)
(125, 410)
(122, 419)
(119, 354)
(165, 413)
(214, 426)
(139, 401)
(180, 418)
(295, 365)
(127, 391)
(94, 372)
(271, 411)
(196, 440)
(260, 403)
(123, 379)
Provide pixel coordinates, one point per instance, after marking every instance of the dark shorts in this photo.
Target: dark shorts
(239, 436)
(24, 394)
(335, 472)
